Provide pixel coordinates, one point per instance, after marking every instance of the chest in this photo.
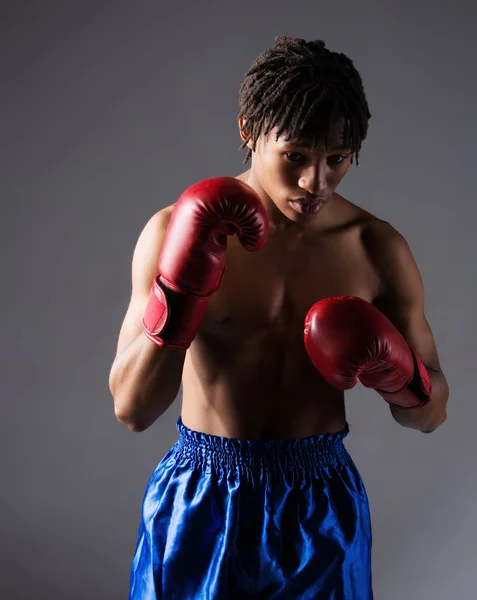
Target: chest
(273, 289)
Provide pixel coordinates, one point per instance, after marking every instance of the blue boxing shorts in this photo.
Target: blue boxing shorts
(240, 519)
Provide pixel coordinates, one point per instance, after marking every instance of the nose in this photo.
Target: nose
(313, 180)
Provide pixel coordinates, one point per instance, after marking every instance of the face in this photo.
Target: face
(298, 179)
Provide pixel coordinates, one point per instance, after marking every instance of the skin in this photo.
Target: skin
(247, 374)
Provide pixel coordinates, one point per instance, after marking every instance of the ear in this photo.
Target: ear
(242, 123)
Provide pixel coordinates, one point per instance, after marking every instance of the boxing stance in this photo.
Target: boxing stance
(266, 296)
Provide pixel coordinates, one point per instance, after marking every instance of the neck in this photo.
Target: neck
(280, 223)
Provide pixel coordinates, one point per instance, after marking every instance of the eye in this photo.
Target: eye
(294, 157)
(336, 159)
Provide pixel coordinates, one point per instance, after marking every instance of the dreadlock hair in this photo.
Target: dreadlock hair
(302, 88)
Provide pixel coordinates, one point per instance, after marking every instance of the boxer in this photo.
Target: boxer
(267, 296)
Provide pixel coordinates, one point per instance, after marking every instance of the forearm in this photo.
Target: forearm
(428, 417)
(144, 381)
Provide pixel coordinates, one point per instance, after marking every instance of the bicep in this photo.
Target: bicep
(143, 270)
(412, 323)
(401, 299)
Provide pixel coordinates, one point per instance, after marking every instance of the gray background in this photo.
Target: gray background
(109, 110)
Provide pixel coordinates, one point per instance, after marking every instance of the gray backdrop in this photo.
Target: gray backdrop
(109, 110)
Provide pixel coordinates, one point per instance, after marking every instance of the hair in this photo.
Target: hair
(302, 88)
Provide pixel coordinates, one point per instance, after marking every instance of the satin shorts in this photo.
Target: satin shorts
(240, 519)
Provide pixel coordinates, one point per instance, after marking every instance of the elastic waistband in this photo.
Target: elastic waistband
(262, 457)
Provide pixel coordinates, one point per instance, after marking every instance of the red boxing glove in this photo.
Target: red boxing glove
(192, 260)
(348, 339)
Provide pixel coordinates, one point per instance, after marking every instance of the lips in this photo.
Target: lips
(308, 202)
(303, 205)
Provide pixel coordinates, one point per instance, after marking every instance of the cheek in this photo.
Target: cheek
(336, 176)
(279, 173)
(286, 174)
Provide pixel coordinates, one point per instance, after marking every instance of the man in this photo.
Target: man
(267, 295)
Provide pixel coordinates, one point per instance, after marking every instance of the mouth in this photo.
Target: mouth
(304, 206)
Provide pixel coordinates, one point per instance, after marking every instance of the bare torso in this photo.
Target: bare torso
(247, 374)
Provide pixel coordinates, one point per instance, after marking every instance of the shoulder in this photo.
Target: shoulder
(384, 243)
(376, 234)
(161, 218)
(151, 238)
(345, 213)
(387, 251)
(380, 236)
(391, 256)
(157, 224)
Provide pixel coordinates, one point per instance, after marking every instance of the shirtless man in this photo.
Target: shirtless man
(267, 295)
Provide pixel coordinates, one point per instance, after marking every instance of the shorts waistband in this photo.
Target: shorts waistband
(247, 457)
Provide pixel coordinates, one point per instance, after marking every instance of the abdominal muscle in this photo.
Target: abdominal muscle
(264, 388)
